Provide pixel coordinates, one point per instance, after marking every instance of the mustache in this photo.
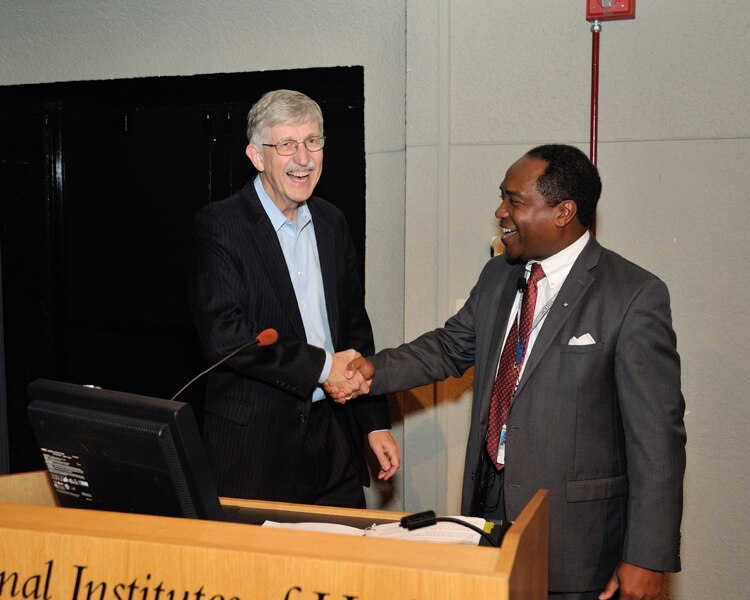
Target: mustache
(297, 167)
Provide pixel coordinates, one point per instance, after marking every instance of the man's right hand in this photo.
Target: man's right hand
(358, 373)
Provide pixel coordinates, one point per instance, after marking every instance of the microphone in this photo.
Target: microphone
(267, 337)
(522, 285)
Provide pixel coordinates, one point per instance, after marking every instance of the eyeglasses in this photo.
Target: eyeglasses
(289, 147)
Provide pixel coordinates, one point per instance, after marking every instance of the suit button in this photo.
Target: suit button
(302, 417)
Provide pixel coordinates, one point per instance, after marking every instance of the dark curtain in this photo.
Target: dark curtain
(4, 458)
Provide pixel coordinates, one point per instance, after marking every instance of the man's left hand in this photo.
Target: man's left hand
(634, 583)
(387, 451)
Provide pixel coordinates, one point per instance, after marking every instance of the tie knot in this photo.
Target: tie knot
(537, 274)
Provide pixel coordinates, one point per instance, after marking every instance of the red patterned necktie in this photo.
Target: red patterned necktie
(511, 361)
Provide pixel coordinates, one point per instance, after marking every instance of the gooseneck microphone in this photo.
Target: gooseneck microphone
(267, 337)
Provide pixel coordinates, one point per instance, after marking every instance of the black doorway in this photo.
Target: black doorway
(98, 184)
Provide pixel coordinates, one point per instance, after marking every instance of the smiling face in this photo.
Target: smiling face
(531, 228)
(288, 180)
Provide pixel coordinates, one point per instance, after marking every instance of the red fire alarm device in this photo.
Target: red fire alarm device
(610, 10)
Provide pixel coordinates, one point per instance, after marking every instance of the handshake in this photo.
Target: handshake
(351, 375)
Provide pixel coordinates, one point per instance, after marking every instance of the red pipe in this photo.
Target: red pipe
(594, 91)
(595, 29)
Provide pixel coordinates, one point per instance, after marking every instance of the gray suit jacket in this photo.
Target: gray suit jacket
(600, 426)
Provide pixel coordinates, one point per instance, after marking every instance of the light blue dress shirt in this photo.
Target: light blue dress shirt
(301, 255)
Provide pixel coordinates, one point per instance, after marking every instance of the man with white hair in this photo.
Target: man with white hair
(274, 255)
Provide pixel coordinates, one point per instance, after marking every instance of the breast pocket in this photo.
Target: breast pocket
(583, 367)
(585, 349)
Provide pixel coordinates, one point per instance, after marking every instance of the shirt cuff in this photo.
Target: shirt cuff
(326, 368)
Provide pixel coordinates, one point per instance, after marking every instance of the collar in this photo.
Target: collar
(278, 220)
(557, 266)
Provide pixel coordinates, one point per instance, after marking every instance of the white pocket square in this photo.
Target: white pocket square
(584, 340)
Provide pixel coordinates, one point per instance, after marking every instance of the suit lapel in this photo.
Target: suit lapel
(266, 242)
(573, 290)
(326, 241)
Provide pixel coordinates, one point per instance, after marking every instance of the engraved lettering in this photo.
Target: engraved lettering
(86, 588)
(294, 589)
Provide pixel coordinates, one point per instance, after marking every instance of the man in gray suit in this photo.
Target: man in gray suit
(596, 411)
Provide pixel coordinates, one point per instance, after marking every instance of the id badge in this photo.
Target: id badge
(501, 447)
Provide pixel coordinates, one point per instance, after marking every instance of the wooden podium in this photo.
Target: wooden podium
(52, 553)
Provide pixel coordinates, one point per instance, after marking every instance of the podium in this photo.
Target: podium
(53, 553)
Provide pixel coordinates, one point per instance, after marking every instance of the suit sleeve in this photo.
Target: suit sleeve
(647, 371)
(220, 305)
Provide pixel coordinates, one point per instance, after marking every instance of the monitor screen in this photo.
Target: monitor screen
(122, 452)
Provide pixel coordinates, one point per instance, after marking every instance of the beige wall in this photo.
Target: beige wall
(455, 92)
(486, 81)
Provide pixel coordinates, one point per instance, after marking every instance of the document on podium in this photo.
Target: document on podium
(440, 532)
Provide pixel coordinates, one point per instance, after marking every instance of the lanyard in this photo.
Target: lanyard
(521, 343)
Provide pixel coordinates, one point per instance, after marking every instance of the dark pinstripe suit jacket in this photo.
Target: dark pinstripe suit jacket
(239, 285)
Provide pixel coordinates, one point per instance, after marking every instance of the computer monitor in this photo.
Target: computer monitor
(122, 452)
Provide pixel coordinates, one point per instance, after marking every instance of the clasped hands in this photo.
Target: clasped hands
(351, 375)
